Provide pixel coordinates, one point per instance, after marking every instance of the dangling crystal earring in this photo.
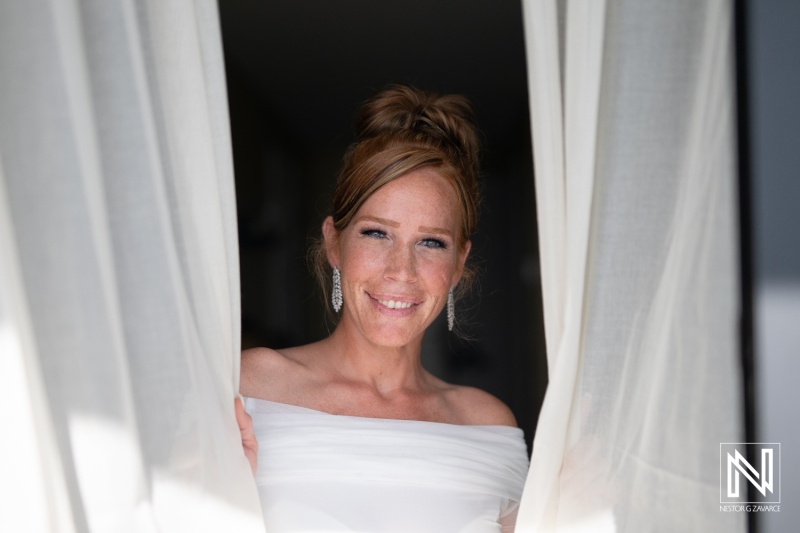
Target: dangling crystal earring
(451, 310)
(336, 293)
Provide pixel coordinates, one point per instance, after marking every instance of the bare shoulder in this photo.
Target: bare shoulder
(254, 359)
(265, 371)
(479, 408)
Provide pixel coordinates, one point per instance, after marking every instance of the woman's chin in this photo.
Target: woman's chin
(391, 335)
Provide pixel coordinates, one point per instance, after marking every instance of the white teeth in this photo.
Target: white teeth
(391, 304)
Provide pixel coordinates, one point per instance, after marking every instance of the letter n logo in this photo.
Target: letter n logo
(734, 467)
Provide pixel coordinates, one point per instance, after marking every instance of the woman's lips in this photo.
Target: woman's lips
(398, 305)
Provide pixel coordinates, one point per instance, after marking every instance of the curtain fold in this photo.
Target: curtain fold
(119, 314)
(633, 124)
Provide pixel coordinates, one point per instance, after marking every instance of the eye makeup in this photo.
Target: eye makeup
(434, 243)
(372, 232)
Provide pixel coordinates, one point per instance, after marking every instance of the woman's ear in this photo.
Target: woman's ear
(331, 237)
(463, 253)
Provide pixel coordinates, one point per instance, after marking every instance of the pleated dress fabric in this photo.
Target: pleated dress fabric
(319, 472)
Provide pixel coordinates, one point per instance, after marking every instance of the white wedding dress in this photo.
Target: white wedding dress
(319, 472)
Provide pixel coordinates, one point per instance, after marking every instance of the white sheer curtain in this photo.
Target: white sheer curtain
(119, 302)
(633, 118)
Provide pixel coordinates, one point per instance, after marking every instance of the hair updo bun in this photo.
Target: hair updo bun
(448, 120)
(402, 129)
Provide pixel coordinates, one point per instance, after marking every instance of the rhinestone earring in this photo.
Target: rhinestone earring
(336, 293)
(451, 310)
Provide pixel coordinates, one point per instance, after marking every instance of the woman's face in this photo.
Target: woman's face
(399, 257)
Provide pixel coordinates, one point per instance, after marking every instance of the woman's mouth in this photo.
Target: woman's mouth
(391, 304)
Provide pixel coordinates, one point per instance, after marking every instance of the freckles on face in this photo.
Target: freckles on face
(399, 257)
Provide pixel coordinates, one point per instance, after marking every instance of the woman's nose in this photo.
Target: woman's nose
(401, 264)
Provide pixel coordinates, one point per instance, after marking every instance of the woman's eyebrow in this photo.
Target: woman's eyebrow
(383, 221)
(393, 224)
(426, 229)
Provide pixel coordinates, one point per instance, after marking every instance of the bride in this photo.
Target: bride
(353, 434)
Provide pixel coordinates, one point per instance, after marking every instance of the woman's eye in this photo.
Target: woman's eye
(373, 233)
(433, 243)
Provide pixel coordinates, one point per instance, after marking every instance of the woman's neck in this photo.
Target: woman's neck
(387, 369)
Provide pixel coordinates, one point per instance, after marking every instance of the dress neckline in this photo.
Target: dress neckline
(311, 411)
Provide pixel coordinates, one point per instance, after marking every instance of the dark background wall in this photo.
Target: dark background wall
(297, 71)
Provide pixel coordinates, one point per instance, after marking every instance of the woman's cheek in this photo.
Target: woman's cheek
(367, 257)
(438, 270)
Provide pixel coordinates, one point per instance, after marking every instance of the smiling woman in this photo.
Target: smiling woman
(401, 265)
(355, 434)
(402, 131)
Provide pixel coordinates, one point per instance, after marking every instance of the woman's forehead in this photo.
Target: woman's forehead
(422, 195)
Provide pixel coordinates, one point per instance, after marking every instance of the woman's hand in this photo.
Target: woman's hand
(249, 442)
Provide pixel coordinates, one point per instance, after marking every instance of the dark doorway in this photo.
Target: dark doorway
(297, 70)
